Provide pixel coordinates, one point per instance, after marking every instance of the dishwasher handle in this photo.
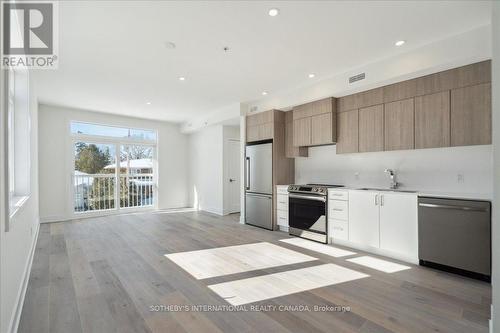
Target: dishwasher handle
(465, 208)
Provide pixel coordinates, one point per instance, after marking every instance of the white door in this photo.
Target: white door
(398, 224)
(233, 175)
(364, 218)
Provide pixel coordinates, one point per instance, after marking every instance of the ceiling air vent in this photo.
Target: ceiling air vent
(356, 78)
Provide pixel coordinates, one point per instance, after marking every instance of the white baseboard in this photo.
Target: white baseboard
(212, 210)
(16, 316)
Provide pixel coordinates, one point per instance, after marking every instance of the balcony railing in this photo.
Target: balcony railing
(136, 190)
(97, 192)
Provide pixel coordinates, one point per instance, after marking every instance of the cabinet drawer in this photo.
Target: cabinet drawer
(282, 189)
(338, 229)
(282, 202)
(338, 195)
(338, 209)
(282, 218)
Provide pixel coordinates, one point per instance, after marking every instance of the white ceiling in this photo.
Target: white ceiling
(113, 58)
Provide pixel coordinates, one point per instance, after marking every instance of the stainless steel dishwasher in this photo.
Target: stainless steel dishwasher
(455, 235)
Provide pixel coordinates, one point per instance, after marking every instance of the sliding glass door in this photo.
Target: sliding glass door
(136, 176)
(113, 173)
(94, 177)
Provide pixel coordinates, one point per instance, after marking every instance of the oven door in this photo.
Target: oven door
(307, 216)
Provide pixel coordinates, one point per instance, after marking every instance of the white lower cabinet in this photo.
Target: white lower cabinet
(385, 221)
(364, 218)
(282, 218)
(339, 229)
(399, 224)
(282, 207)
(338, 215)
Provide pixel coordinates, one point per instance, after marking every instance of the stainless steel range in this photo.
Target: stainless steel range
(307, 211)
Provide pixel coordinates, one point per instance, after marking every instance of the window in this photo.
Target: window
(19, 137)
(112, 131)
(114, 167)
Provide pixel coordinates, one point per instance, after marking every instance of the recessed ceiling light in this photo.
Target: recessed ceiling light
(148, 103)
(400, 42)
(182, 78)
(274, 12)
(311, 75)
(264, 93)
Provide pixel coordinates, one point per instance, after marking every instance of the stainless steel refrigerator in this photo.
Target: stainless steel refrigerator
(259, 185)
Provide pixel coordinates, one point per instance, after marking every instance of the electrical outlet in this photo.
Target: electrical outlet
(460, 178)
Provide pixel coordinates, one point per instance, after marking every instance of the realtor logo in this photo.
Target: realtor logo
(29, 37)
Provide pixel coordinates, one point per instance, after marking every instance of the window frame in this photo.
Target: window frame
(118, 142)
(18, 140)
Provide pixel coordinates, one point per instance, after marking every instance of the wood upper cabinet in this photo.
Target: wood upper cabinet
(371, 128)
(321, 129)
(361, 100)
(266, 131)
(399, 125)
(460, 77)
(290, 150)
(253, 133)
(471, 115)
(302, 132)
(400, 91)
(315, 123)
(432, 120)
(347, 132)
(260, 126)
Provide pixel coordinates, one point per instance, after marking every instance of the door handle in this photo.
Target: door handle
(381, 200)
(376, 199)
(471, 209)
(247, 160)
(231, 180)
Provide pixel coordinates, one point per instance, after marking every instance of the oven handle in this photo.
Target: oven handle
(307, 197)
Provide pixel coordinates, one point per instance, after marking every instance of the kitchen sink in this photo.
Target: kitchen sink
(385, 190)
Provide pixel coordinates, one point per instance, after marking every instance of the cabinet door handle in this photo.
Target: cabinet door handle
(381, 200)
(376, 199)
(338, 209)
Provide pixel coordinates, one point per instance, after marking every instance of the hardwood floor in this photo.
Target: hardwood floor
(110, 274)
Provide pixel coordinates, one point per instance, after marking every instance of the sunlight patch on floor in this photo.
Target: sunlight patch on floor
(379, 264)
(264, 287)
(221, 261)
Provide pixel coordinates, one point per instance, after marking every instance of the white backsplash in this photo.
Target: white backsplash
(453, 170)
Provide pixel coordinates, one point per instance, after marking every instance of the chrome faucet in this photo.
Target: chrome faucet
(392, 174)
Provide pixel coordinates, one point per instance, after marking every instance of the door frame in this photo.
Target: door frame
(226, 189)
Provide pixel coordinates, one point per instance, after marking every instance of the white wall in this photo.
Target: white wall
(17, 244)
(420, 169)
(206, 169)
(55, 155)
(208, 190)
(496, 181)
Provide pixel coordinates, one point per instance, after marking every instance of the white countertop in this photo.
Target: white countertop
(436, 194)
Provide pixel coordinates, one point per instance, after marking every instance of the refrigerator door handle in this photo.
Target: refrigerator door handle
(247, 178)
